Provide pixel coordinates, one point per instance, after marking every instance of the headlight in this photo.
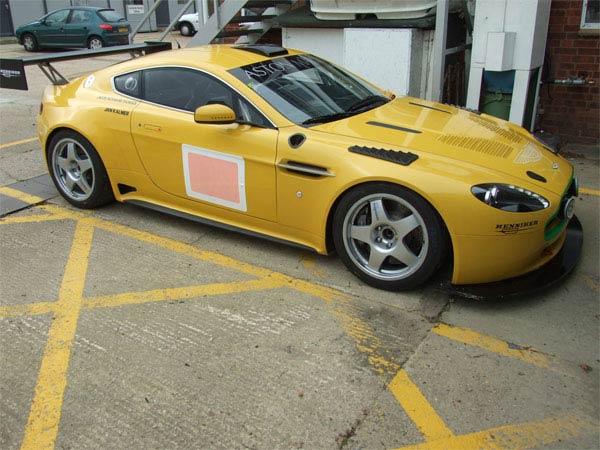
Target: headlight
(509, 198)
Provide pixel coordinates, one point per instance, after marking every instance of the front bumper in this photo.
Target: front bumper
(551, 273)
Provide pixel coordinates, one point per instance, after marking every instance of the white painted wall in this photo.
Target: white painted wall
(328, 43)
(508, 35)
(390, 58)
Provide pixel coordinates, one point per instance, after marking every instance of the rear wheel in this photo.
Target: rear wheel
(388, 236)
(30, 42)
(77, 171)
(95, 42)
(186, 29)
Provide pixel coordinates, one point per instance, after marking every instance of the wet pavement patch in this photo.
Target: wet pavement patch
(40, 186)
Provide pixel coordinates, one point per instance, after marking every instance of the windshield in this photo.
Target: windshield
(308, 90)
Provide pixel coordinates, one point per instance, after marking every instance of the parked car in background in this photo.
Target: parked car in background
(188, 24)
(75, 27)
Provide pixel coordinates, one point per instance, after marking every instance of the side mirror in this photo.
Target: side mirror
(215, 114)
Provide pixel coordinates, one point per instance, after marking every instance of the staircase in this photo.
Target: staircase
(252, 19)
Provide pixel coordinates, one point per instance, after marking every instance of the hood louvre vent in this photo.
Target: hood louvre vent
(480, 145)
(509, 135)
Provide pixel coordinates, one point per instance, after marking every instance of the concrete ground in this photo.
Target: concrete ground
(126, 328)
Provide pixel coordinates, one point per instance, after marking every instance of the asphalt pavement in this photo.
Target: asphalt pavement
(125, 328)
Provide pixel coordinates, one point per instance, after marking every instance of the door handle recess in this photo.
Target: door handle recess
(149, 127)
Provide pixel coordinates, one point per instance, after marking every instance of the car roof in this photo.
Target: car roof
(88, 8)
(219, 57)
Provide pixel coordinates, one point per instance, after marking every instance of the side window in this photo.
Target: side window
(186, 89)
(57, 17)
(172, 86)
(129, 84)
(80, 16)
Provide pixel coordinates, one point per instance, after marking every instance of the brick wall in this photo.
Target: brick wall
(571, 112)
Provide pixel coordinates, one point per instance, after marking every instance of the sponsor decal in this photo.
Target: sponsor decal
(259, 73)
(7, 73)
(514, 228)
(117, 100)
(117, 111)
(528, 155)
(214, 177)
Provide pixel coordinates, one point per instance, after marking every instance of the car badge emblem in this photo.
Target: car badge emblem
(529, 154)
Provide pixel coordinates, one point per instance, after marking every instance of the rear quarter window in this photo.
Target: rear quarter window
(129, 84)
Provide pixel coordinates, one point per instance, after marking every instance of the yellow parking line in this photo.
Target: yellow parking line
(19, 195)
(427, 420)
(46, 407)
(514, 437)
(36, 218)
(12, 144)
(181, 293)
(589, 191)
(30, 309)
(492, 344)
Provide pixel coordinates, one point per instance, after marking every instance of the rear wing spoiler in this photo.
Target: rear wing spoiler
(12, 70)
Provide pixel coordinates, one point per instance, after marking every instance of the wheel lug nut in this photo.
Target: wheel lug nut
(378, 239)
(390, 245)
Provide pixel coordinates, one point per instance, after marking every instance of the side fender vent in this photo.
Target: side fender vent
(296, 140)
(397, 157)
(125, 189)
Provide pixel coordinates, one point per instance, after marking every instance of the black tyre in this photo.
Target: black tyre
(388, 236)
(77, 171)
(95, 42)
(30, 42)
(186, 29)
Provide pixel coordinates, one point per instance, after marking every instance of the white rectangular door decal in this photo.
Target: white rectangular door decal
(214, 177)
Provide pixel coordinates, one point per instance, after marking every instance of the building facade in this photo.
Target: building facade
(572, 111)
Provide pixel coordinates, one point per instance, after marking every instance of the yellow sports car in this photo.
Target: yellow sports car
(282, 144)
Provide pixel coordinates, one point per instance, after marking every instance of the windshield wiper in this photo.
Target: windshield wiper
(327, 118)
(368, 101)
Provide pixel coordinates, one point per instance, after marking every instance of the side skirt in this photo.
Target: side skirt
(214, 223)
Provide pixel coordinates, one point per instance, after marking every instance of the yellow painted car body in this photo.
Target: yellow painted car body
(140, 144)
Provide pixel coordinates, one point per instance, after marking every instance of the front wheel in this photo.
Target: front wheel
(77, 171)
(388, 236)
(95, 42)
(186, 29)
(30, 43)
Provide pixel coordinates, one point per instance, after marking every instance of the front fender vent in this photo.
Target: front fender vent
(397, 157)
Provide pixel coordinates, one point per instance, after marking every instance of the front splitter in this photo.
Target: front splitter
(550, 274)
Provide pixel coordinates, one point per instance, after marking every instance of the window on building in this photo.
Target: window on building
(590, 15)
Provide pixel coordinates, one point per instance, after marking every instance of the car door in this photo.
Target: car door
(225, 166)
(51, 32)
(77, 28)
